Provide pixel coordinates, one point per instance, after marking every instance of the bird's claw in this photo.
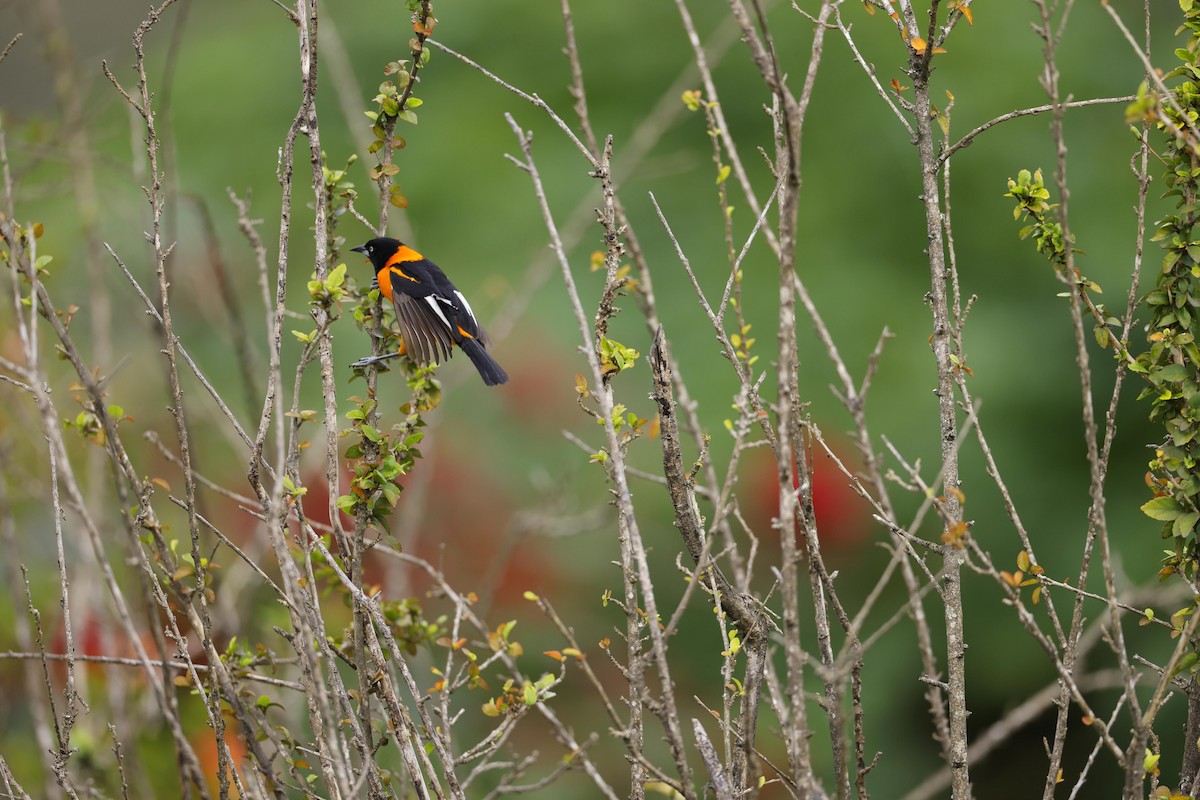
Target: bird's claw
(369, 360)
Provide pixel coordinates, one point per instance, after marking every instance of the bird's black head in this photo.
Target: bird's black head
(378, 250)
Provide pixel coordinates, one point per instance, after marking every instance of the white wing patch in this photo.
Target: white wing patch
(433, 303)
(466, 305)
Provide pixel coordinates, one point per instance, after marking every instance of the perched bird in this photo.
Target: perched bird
(432, 313)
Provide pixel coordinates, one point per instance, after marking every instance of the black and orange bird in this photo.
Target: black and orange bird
(433, 314)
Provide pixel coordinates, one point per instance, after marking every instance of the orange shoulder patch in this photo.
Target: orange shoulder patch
(404, 253)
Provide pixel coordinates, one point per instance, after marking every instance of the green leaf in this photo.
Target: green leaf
(529, 694)
(1171, 372)
(1165, 509)
(1187, 662)
(337, 277)
(615, 357)
(391, 493)
(1185, 523)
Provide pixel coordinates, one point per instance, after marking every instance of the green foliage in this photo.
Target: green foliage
(625, 421)
(395, 102)
(1172, 363)
(615, 357)
(378, 460)
(88, 425)
(1031, 196)
(339, 196)
(515, 698)
(388, 108)
(741, 341)
(735, 644)
(1150, 762)
(1171, 366)
(239, 657)
(409, 625)
(365, 308)
(1018, 580)
(329, 292)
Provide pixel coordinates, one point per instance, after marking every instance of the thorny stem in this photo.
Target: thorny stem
(740, 607)
(633, 557)
(942, 344)
(21, 260)
(305, 619)
(739, 567)
(1097, 526)
(162, 250)
(794, 503)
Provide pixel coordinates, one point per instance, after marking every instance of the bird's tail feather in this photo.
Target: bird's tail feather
(491, 372)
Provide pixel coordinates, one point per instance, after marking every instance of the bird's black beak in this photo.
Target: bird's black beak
(362, 248)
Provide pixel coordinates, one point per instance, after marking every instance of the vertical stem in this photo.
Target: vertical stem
(634, 566)
(950, 576)
(789, 113)
(70, 695)
(197, 601)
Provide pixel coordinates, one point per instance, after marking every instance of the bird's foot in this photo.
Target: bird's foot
(369, 360)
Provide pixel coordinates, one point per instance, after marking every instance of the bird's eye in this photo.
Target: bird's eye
(370, 249)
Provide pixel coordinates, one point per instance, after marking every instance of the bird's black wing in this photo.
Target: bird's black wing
(426, 334)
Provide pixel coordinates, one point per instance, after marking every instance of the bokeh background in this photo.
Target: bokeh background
(502, 500)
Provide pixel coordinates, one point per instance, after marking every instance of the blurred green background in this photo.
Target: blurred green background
(508, 504)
